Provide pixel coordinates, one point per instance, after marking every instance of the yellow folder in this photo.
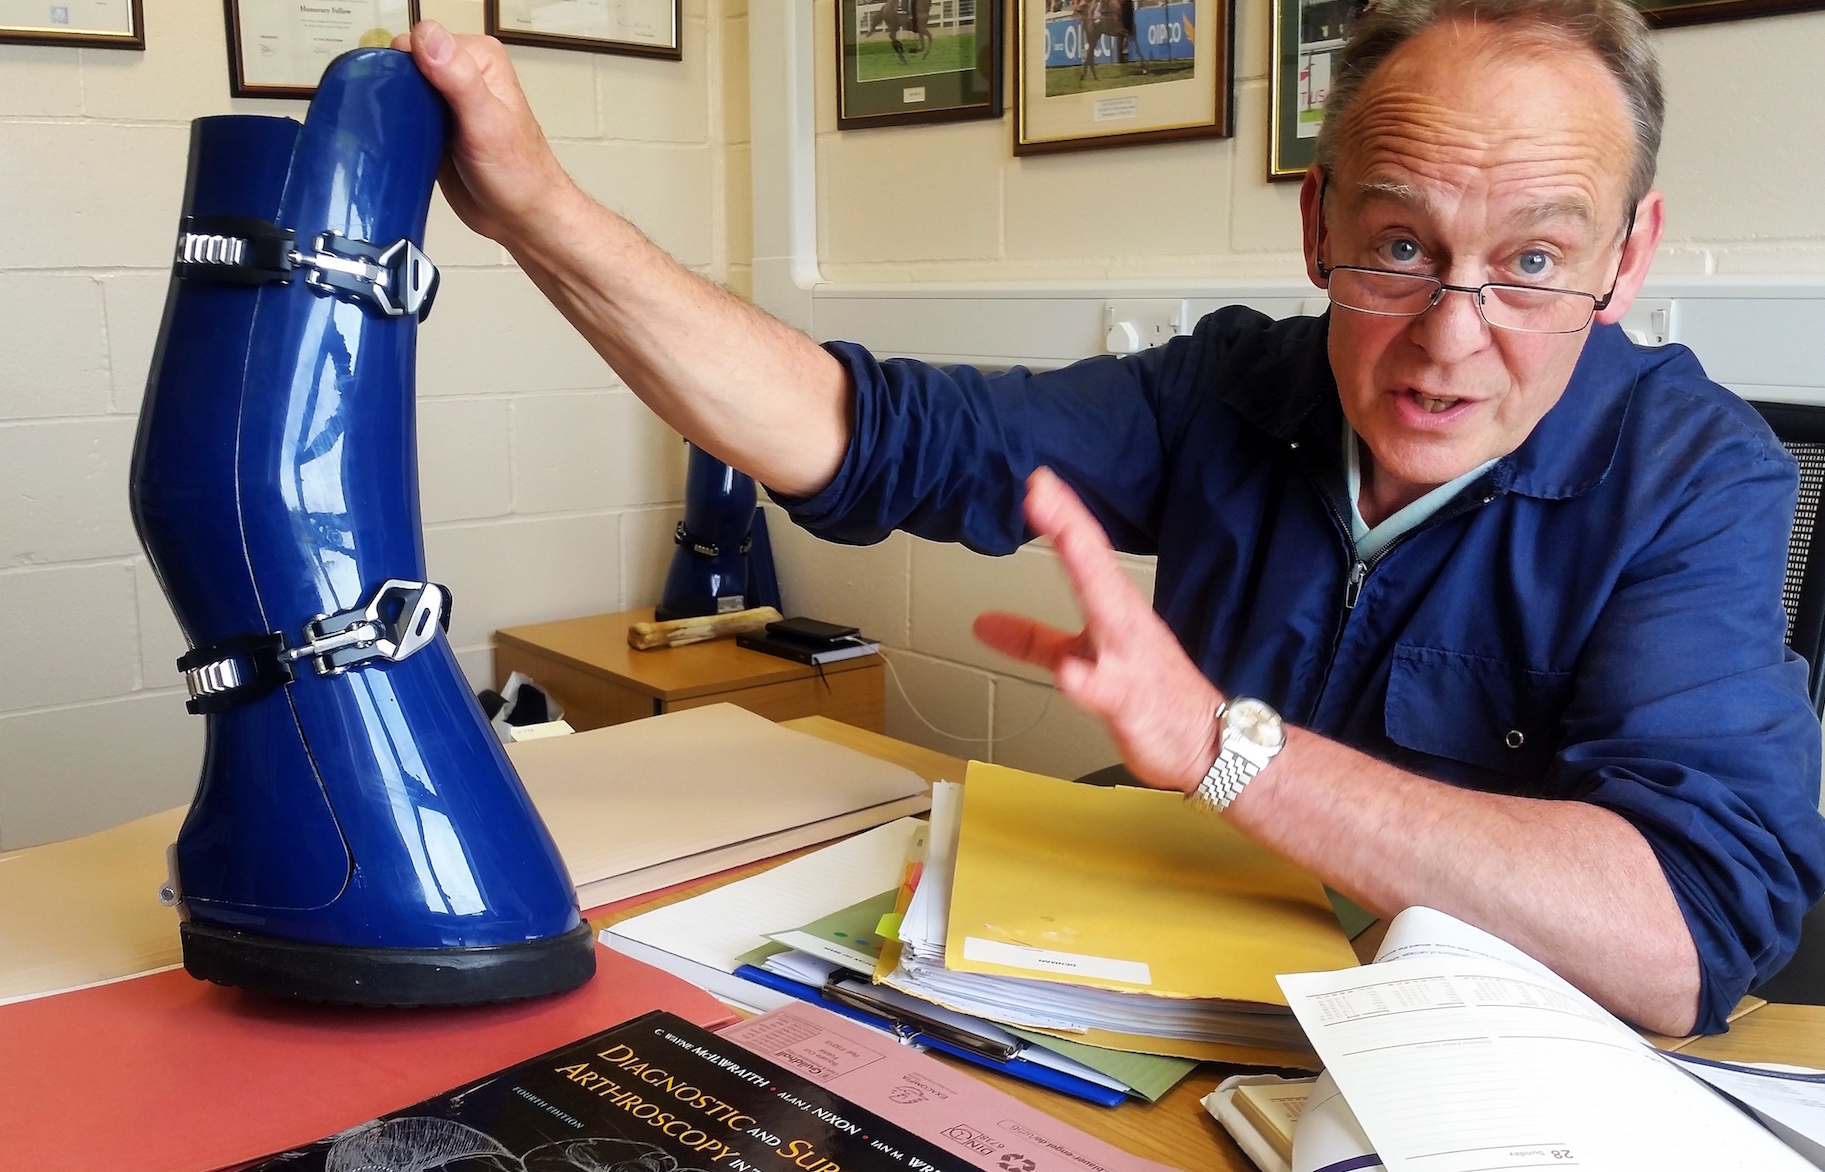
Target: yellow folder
(1128, 889)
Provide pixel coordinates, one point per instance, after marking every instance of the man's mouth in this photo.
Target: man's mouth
(1433, 404)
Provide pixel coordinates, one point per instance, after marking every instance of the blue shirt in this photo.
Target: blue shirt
(1597, 617)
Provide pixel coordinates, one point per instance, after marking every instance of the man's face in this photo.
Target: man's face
(1473, 158)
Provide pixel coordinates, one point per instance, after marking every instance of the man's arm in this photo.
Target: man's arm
(751, 391)
(1573, 885)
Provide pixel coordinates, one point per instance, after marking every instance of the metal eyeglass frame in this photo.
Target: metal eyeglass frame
(1478, 292)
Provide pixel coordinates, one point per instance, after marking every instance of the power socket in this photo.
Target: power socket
(1132, 326)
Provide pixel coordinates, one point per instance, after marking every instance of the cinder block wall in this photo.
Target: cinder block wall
(548, 489)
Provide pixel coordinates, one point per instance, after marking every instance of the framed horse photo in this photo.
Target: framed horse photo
(1308, 35)
(1103, 73)
(901, 61)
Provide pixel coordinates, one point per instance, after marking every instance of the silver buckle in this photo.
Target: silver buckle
(399, 619)
(397, 280)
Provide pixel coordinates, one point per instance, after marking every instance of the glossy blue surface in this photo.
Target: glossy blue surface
(718, 510)
(275, 479)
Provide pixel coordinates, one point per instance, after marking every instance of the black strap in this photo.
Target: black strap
(708, 549)
(257, 665)
(234, 250)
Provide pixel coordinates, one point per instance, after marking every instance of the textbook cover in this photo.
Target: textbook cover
(655, 1094)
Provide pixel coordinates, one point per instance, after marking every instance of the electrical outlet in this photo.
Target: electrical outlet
(1651, 321)
(1132, 326)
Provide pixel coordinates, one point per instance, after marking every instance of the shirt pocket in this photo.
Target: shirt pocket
(1485, 712)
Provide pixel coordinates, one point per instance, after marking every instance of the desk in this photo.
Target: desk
(1177, 1131)
(588, 667)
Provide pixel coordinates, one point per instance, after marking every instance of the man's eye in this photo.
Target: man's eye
(1403, 252)
(1533, 264)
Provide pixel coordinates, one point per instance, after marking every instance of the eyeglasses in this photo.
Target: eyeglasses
(1526, 309)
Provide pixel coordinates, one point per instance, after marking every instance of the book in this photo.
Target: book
(849, 647)
(198, 1077)
(1515, 1068)
(653, 1093)
(1261, 1113)
(965, 1116)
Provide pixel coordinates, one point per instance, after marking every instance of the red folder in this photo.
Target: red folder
(165, 1073)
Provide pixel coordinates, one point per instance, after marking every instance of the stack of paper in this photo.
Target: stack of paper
(647, 804)
(704, 939)
(763, 941)
(1494, 1062)
(1112, 915)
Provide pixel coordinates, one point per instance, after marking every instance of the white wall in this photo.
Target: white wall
(549, 491)
(950, 205)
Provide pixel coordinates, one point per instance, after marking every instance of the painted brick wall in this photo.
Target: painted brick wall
(548, 489)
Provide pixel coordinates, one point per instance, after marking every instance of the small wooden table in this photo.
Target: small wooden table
(1177, 1131)
(587, 666)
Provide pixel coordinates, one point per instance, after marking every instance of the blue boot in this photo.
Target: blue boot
(357, 835)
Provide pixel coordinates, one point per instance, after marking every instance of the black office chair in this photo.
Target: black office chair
(1801, 430)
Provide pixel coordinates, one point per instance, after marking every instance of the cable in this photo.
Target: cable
(913, 708)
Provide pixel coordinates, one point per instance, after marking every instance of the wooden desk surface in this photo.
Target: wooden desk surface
(1177, 1131)
(598, 644)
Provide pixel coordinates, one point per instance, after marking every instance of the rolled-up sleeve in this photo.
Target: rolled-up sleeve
(1691, 720)
(945, 453)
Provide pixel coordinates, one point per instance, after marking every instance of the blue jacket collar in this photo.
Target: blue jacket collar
(1569, 451)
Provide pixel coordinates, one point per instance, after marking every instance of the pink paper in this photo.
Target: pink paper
(963, 1115)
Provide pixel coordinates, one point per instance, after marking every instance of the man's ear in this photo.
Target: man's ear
(1637, 255)
(1311, 213)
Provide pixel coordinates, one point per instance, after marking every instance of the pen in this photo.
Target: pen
(910, 1022)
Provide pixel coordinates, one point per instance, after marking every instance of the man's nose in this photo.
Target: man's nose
(1454, 327)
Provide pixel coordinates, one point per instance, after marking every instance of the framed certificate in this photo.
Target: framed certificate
(1672, 13)
(87, 24)
(280, 48)
(637, 28)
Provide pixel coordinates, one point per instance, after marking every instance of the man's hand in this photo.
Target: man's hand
(1125, 665)
(500, 175)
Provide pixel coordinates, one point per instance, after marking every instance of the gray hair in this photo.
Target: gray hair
(1612, 29)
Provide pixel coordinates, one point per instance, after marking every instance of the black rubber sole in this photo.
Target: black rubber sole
(389, 976)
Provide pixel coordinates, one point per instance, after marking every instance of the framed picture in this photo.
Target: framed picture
(1102, 73)
(902, 61)
(86, 24)
(636, 28)
(1308, 35)
(1671, 13)
(280, 48)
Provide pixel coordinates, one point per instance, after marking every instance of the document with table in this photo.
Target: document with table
(1458, 1053)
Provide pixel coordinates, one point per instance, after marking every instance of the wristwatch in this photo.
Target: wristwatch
(1252, 734)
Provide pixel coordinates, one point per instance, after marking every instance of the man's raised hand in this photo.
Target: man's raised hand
(501, 177)
(1125, 665)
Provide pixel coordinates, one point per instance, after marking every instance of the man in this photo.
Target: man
(1513, 582)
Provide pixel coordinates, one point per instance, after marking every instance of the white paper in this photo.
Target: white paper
(1456, 1061)
(644, 22)
(68, 16)
(1790, 1100)
(291, 42)
(717, 927)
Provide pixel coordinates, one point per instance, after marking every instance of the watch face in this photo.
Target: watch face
(1256, 722)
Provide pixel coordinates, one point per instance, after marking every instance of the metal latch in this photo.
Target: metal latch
(395, 280)
(400, 618)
